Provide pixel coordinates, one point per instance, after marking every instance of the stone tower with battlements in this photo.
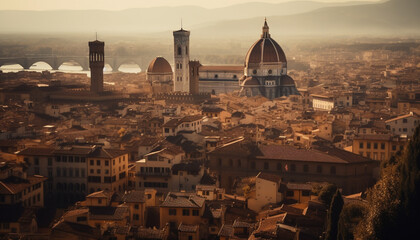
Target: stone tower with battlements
(181, 61)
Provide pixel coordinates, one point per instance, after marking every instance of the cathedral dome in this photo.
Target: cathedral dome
(159, 65)
(265, 50)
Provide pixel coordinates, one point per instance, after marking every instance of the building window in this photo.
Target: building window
(319, 168)
(266, 165)
(91, 162)
(279, 167)
(293, 167)
(368, 145)
(98, 162)
(106, 163)
(270, 71)
(172, 212)
(185, 212)
(290, 193)
(394, 147)
(36, 161)
(179, 50)
(375, 145)
(49, 161)
(195, 212)
(136, 206)
(306, 193)
(404, 120)
(305, 168)
(361, 145)
(216, 76)
(253, 165)
(382, 145)
(333, 170)
(254, 71)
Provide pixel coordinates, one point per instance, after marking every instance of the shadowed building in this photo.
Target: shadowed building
(266, 70)
(96, 64)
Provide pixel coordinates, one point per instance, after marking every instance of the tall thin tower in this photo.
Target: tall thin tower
(96, 64)
(181, 59)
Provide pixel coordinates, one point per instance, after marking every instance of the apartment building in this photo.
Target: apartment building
(378, 146)
(404, 124)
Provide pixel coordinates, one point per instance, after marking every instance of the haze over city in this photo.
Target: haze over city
(193, 119)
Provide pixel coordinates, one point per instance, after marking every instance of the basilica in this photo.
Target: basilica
(266, 70)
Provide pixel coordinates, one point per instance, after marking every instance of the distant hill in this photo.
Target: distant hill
(145, 20)
(392, 18)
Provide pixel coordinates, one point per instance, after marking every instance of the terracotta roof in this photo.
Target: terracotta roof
(14, 185)
(402, 117)
(159, 65)
(187, 228)
(321, 154)
(176, 122)
(183, 200)
(287, 80)
(134, 196)
(80, 230)
(222, 68)
(250, 81)
(107, 153)
(299, 186)
(226, 231)
(241, 224)
(101, 194)
(108, 213)
(37, 151)
(269, 177)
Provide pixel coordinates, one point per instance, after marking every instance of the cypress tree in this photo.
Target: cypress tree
(333, 216)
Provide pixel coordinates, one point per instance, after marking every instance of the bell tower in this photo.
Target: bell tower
(181, 60)
(96, 64)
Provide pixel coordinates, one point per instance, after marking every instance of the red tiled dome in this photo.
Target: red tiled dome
(287, 80)
(159, 65)
(265, 50)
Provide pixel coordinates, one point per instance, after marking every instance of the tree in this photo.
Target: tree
(334, 216)
(409, 170)
(326, 193)
(350, 217)
(393, 203)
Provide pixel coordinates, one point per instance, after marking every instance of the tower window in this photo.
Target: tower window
(179, 50)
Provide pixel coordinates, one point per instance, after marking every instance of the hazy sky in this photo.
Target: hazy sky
(124, 4)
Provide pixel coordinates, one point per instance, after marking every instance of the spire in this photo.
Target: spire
(265, 30)
(181, 23)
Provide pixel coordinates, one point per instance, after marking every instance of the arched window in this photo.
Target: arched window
(179, 50)
(270, 71)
